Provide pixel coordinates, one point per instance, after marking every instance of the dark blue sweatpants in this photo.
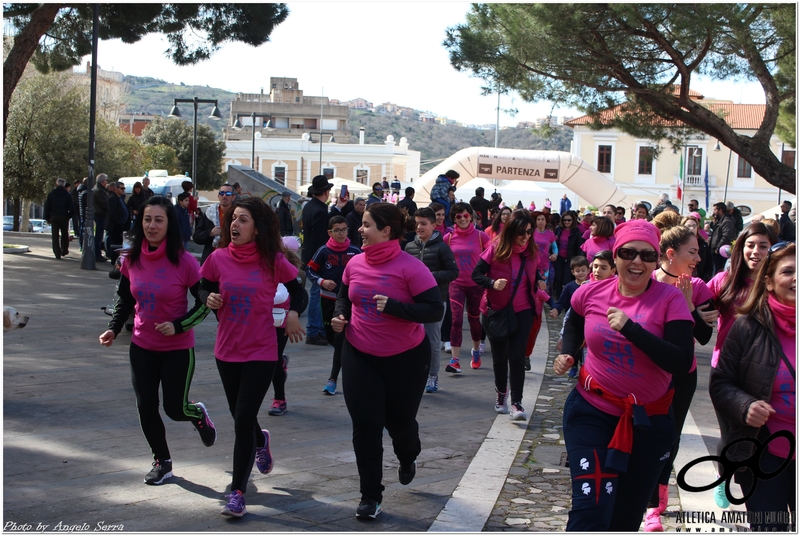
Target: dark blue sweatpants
(604, 499)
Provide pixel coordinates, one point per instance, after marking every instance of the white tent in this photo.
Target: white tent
(356, 189)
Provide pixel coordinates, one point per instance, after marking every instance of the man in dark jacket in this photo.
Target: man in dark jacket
(480, 204)
(58, 210)
(315, 218)
(284, 214)
(354, 222)
(116, 221)
(429, 247)
(376, 195)
(787, 226)
(737, 217)
(100, 204)
(408, 202)
(208, 224)
(723, 234)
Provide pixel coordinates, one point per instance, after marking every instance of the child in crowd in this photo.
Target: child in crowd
(579, 269)
(601, 237)
(326, 269)
(184, 218)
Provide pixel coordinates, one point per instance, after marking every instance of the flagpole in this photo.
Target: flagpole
(681, 184)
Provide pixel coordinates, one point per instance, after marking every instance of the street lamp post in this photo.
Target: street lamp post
(175, 112)
(238, 126)
(321, 135)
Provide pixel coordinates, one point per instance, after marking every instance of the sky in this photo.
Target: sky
(379, 51)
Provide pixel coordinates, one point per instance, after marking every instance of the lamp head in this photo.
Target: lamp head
(215, 114)
(174, 112)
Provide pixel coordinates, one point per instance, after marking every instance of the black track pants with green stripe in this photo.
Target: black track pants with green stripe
(173, 371)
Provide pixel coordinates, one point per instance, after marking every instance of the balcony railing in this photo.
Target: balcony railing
(692, 181)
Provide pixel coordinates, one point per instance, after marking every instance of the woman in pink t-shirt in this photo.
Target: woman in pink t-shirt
(753, 388)
(679, 254)
(618, 423)
(156, 273)
(467, 244)
(239, 281)
(384, 298)
(499, 221)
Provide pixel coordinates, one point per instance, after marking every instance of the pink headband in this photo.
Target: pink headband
(635, 230)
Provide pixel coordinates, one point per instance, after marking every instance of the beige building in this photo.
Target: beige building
(631, 163)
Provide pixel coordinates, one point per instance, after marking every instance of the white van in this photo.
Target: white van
(160, 182)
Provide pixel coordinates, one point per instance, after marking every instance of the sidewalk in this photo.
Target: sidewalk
(74, 453)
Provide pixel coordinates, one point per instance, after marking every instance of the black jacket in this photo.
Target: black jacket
(483, 205)
(58, 204)
(723, 234)
(354, 221)
(100, 201)
(202, 234)
(439, 259)
(574, 243)
(117, 216)
(284, 217)
(787, 228)
(135, 201)
(315, 217)
(746, 370)
(409, 204)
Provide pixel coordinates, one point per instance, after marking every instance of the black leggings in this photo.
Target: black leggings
(172, 371)
(279, 377)
(684, 388)
(333, 338)
(383, 392)
(245, 385)
(508, 354)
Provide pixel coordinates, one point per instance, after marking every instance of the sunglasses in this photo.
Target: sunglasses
(567, 219)
(463, 216)
(529, 232)
(648, 255)
(225, 193)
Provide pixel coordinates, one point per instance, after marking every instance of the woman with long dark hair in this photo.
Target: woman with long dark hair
(239, 280)
(753, 388)
(499, 222)
(569, 241)
(155, 276)
(507, 271)
(384, 297)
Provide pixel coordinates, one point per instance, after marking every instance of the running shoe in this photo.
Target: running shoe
(517, 412)
(527, 366)
(482, 347)
(476, 359)
(501, 406)
(235, 505)
(368, 508)
(162, 470)
(720, 495)
(330, 388)
(205, 426)
(278, 407)
(454, 366)
(432, 384)
(406, 472)
(263, 456)
(663, 498)
(447, 347)
(652, 521)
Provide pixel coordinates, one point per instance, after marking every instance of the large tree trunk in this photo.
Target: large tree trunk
(24, 46)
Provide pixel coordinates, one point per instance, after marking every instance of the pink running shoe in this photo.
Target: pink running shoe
(652, 521)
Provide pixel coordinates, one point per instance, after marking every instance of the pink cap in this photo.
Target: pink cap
(291, 243)
(696, 215)
(635, 230)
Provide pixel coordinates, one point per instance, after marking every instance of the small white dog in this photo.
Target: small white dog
(13, 319)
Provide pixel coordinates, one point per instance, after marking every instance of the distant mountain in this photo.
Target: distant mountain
(434, 141)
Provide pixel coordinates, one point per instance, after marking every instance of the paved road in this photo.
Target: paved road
(74, 453)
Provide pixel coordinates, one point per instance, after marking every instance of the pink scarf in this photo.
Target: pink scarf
(519, 249)
(784, 317)
(380, 253)
(337, 247)
(158, 253)
(463, 232)
(244, 254)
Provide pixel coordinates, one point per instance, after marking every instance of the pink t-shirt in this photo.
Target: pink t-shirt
(595, 244)
(701, 294)
(373, 332)
(246, 326)
(617, 364)
(783, 399)
(563, 242)
(466, 247)
(160, 289)
(726, 317)
(542, 241)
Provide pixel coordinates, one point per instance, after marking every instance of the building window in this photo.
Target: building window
(694, 164)
(645, 157)
(296, 99)
(280, 175)
(789, 158)
(744, 169)
(329, 173)
(362, 176)
(603, 158)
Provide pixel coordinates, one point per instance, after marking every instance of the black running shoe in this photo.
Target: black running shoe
(368, 508)
(162, 470)
(527, 366)
(205, 426)
(406, 472)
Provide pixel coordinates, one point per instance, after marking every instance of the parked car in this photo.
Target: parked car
(8, 223)
(40, 226)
